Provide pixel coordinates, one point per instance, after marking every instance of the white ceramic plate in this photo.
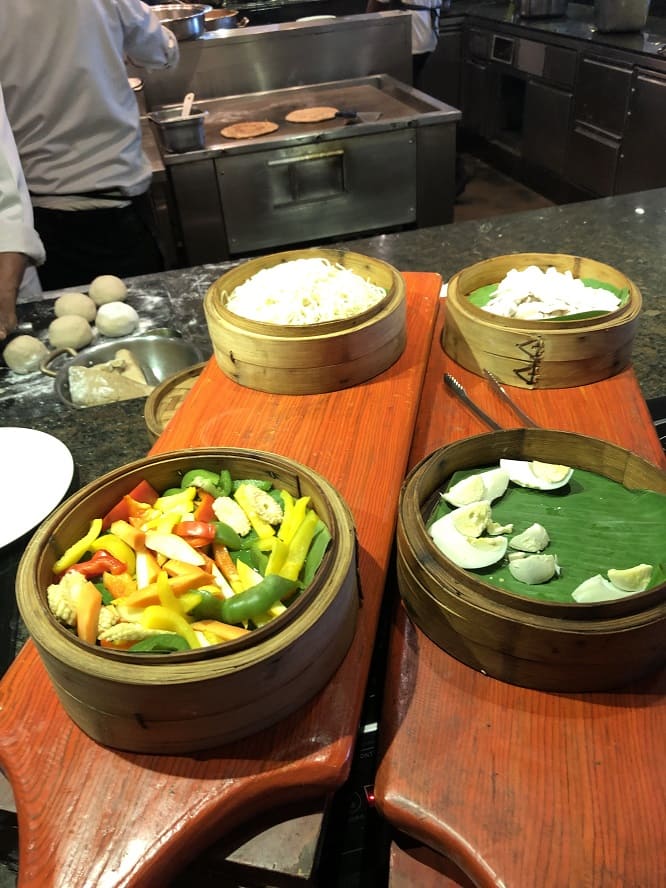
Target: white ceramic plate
(37, 470)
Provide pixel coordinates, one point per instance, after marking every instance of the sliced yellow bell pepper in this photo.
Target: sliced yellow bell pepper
(277, 557)
(247, 576)
(78, 549)
(181, 501)
(156, 616)
(299, 546)
(166, 596)
(293, 518)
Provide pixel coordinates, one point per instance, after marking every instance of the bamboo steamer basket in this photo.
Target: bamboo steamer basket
(312, 358)
(163, 403)
(539, 354)
(183, 702)
(533, 643)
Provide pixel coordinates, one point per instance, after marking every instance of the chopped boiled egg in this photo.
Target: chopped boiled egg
(537, 475)
(489, 485)
(458, 536)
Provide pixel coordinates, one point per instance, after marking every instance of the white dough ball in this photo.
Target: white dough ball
(75, 304)
(107, 288)
(116, 319)
(70, 331)
(24, 354)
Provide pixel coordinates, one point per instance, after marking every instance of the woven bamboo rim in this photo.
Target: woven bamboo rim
(165, 400)
(539, 354)
(310, 358)
(517, 638)
(195, 699)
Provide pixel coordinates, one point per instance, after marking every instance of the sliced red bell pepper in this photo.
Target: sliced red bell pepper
(143, 493)
(101, 562)
(195, 530)
(204, 510)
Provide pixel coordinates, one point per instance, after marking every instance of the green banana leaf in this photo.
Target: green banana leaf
(593, 523)
(482, 296)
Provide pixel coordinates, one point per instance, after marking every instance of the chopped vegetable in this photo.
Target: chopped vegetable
(256, 600)
(78, 549)
(190, 566)
(101, 562)
(230, 513)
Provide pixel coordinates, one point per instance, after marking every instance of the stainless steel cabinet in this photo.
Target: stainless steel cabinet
(546, 126)
(602, 94)
(641, 163)
(479, 98)
(602, 97)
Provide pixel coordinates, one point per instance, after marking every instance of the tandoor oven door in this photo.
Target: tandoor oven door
(318, 190)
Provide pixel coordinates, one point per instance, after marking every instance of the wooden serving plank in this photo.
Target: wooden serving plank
(520, 787)
(93, 816)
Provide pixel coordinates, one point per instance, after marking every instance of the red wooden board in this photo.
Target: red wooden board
(519, 787)
(91, 816)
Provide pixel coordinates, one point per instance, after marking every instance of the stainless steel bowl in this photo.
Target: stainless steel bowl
(159, 353)
(186, 20)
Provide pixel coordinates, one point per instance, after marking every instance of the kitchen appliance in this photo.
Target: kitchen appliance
(541, 8)
(621, 15)
(307, 182)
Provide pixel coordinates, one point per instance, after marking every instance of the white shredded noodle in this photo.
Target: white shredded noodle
(303, 291)
(533, 294)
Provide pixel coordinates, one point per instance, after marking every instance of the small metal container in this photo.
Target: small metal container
(160, 353)
(541, 8)
(621, 15)
(177, 134)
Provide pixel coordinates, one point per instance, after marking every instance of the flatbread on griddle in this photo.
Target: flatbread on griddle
(312, 115)
(248, 129)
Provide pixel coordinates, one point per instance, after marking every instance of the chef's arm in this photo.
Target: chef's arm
(12, 269)
(147, 43)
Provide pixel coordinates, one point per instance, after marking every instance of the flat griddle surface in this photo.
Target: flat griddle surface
(276, 105)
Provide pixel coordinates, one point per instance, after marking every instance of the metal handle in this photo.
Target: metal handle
(44, 366)
(320, 156)
(458, 390)
(499, 389)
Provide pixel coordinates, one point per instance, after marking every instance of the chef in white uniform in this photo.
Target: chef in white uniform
(425, 26)
(76, 123)
(21, 248)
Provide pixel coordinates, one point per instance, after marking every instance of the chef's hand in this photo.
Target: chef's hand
(8, 320)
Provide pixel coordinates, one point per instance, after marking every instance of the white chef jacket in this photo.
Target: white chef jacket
(17, 233)
(425, 22)
(74, 115)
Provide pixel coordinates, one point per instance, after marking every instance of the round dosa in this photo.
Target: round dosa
(248, 129)
(312, 115)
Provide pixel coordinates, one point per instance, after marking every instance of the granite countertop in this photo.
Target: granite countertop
(626, 231)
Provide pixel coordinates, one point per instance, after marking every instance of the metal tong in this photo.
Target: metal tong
(459, 390)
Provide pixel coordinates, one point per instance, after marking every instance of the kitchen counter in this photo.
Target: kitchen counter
(627, 232)
(578, 23)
